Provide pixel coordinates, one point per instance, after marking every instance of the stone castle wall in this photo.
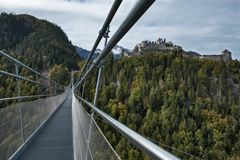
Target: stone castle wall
(160, 44)
(225, 56)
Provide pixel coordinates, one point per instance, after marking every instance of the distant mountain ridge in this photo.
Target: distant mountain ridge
(118, 52)
(83, 53)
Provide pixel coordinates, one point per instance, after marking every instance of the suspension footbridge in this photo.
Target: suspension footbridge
(55, 125)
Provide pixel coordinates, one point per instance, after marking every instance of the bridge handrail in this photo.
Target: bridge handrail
(26, 97)
(20, 77)
(27, 67)
(141, 142)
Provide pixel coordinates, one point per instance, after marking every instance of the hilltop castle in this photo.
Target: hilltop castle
(160, 44)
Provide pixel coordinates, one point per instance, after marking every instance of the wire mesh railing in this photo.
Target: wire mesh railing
(86, 133)
(154, 151)
(22, 115)
(19, 121)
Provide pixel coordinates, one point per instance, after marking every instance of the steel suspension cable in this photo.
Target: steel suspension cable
(27, 67)
(102, 32)
(26, 97)
(139, 9)
(20, 77)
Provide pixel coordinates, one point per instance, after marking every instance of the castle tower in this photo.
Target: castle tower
(159, 41)
(164, 41)
(139, 48)
(226, 55)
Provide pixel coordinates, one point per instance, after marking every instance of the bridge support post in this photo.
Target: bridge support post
(83, 89)
(89, 136)
(96, 93)
(97, 86)
(72, 79)
(37, 78)
(20, 110)
(92, 115)
(40, 108)
(55, 88)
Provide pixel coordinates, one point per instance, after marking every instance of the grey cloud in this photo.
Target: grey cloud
(206, 26)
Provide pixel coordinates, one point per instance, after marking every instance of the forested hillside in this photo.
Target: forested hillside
(189, 104)
(37, 43)
(40, 45)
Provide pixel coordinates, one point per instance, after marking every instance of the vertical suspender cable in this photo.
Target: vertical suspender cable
(20, 109)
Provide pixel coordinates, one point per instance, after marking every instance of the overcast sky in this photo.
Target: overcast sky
(205, 26)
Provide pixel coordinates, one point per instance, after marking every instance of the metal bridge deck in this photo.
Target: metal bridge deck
(54, 141)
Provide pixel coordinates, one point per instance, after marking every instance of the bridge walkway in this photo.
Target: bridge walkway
(54, 141)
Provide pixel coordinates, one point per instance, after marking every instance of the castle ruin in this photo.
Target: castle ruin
(159, 44)
(162, 44)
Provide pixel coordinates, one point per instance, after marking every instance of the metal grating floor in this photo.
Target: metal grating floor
(54, 141)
